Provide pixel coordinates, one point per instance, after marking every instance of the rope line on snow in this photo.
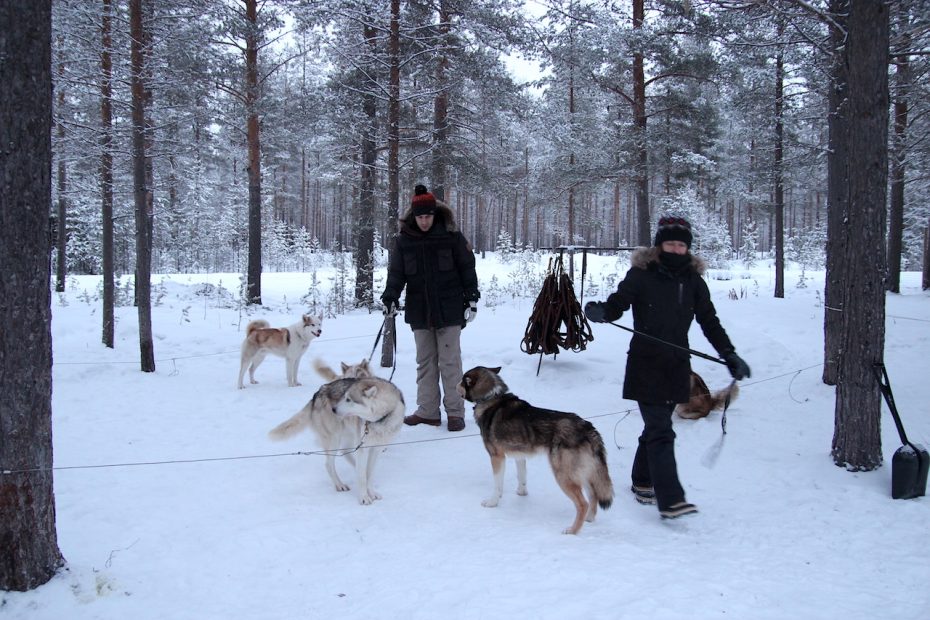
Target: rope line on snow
(626, 413)
(187, 357)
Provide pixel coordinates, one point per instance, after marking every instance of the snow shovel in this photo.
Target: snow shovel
(910, 462)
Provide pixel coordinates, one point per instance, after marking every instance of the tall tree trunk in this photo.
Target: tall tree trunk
(440, 155)
(106, 172)
(571, 157)
(779, 168)
(365, 213)
(857, 438)
(29, 554)
(61, 268)
(639, 128)
(898, 165)
(837, 194)
(393, 118)
(925, 279)
(142, 177)
(253, 138)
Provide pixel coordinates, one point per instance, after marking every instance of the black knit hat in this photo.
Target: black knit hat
(673, 229)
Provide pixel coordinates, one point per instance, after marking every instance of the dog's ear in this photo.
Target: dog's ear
(371, 391)
(345, 367)
(496, 371)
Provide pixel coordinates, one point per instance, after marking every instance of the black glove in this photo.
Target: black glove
(471, 311)
(738, 368)
(596, 311)
(390, 307)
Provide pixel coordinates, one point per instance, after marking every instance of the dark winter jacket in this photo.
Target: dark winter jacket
(664, 303)
(438, 269)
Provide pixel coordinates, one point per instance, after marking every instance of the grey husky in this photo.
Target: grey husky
(334, 433)
(513, 427)
(353, 414)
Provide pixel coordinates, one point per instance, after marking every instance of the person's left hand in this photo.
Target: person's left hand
(738, 368)
(471, 311)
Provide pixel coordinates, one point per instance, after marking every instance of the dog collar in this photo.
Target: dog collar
(481, 401)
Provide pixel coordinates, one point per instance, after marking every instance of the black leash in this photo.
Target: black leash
(671, 344)
(710, 458)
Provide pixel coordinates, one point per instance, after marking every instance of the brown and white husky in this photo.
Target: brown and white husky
(513, 427)
(288, 342)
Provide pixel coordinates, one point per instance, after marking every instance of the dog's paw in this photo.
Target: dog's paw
(374, 495)
(570, 530)
(253, 381)
(366, 500)
(521, 490)
(491, 502)
(342, 486)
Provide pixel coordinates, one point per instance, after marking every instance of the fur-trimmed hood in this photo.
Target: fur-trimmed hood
(444, 218)
(643, 256)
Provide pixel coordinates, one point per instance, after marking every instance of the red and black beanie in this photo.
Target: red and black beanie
(673, 229)
(423, 203)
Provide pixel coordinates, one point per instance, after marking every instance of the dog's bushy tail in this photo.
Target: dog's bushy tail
(293, 425)
(719, 397)
(324, 371)
(601, 485)
(256, 324)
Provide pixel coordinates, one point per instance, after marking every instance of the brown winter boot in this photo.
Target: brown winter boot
(414, 419)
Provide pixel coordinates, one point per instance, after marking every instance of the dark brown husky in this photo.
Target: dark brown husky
(513, 427)
(702, 401)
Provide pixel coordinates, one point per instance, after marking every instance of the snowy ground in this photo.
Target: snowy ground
(173, 503)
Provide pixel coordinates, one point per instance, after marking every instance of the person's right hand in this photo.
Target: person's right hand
(596, 311)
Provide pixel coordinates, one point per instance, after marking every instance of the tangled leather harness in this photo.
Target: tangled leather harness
(557, 319)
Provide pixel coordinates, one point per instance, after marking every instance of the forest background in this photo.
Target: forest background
(246, 136)
(296, 126)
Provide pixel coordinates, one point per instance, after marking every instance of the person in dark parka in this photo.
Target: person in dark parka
(666, 291)
(432, 259)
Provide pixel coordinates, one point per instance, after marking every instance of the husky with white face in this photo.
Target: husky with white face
(378, 407)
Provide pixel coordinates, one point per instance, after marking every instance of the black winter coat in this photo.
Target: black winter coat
(438, 269)
(664, 303)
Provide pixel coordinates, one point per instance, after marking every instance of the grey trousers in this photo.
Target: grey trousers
(439, 354)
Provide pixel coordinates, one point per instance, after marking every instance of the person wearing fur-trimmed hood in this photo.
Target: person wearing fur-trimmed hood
(433, 260)
(666, 290)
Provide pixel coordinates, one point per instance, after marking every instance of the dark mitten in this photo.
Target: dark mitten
(596, 312)
(738, 368)
(390, 306)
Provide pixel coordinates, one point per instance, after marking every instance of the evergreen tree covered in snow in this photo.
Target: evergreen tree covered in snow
(750, 245)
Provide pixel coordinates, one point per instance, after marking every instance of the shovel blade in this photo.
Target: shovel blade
(909, 472)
